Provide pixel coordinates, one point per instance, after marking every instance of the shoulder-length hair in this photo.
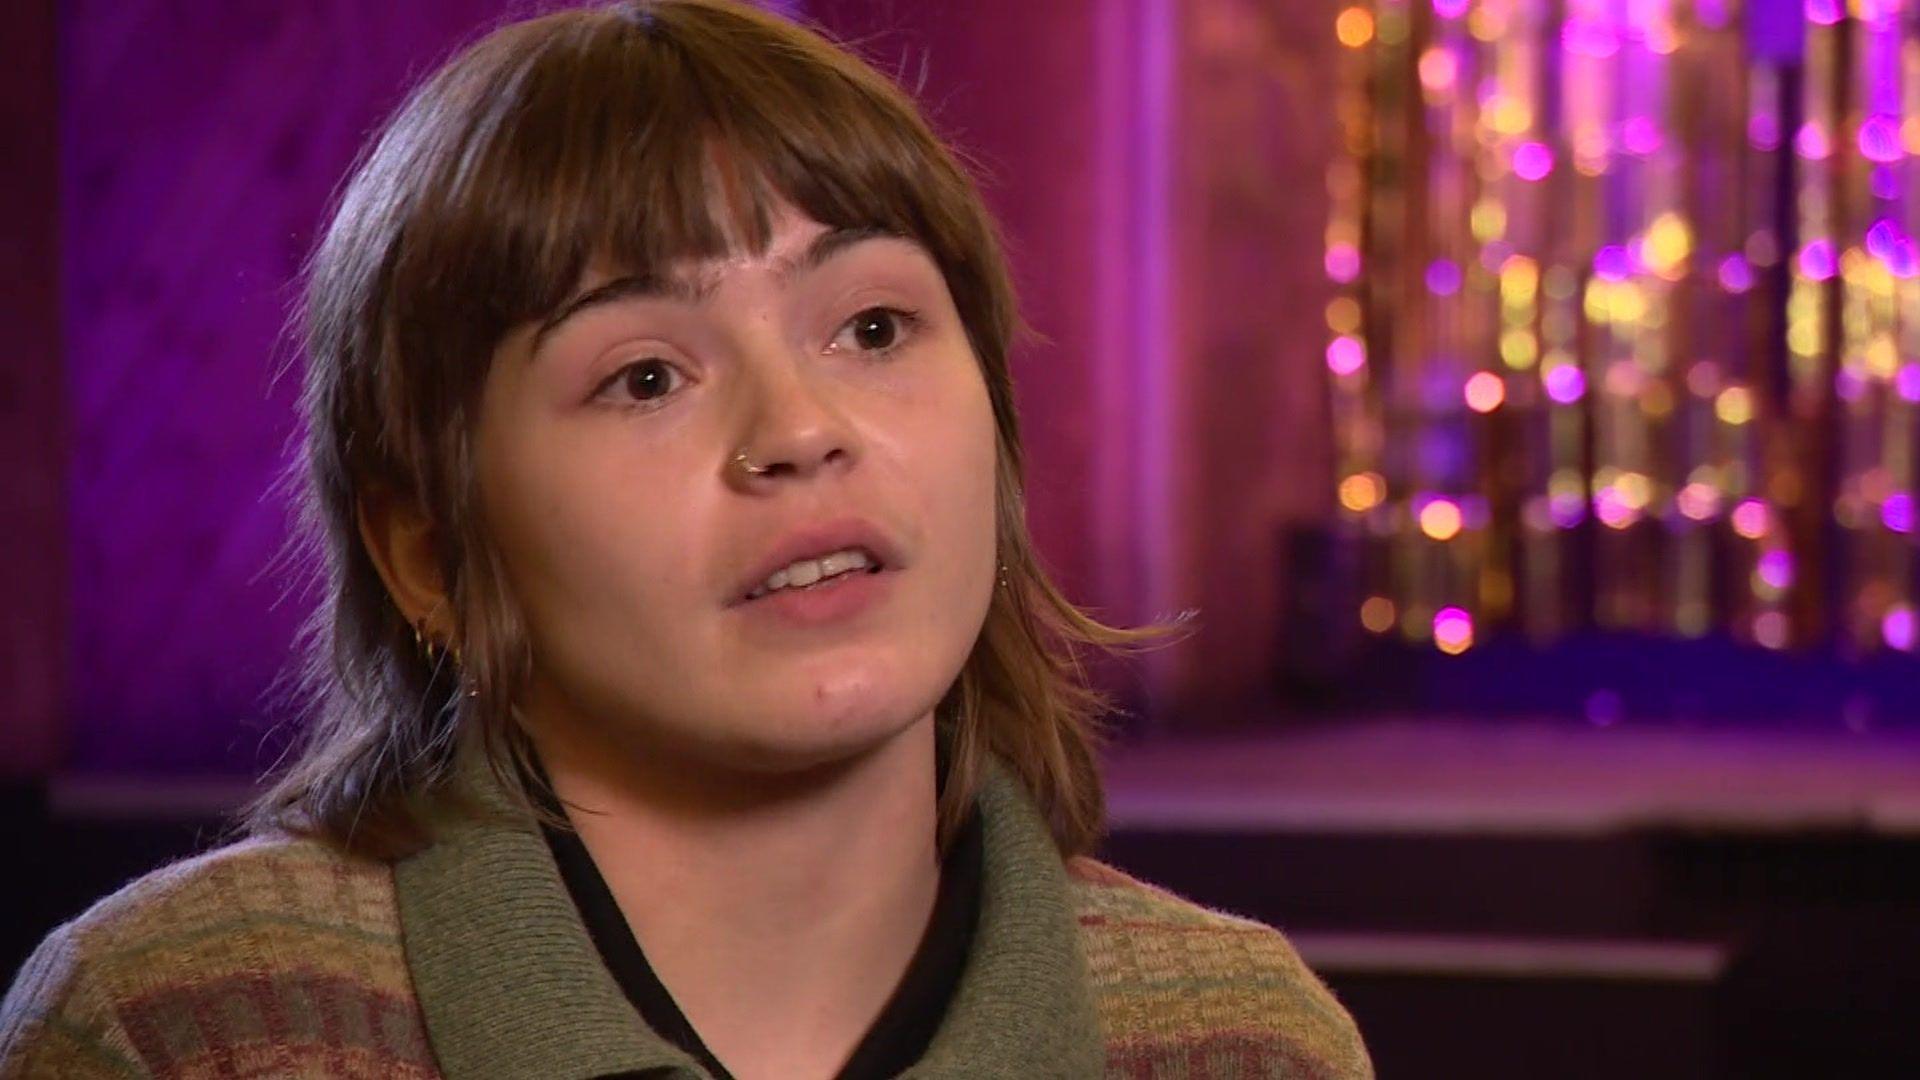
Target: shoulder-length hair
(547, 143)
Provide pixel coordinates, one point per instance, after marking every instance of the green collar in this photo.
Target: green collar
(511, 985)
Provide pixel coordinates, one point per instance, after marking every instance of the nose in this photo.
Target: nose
(794, 428)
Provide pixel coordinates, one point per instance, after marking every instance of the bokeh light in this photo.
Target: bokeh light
(1345, 355)
(1907, 382)
(1532, 161)
(1811, 141)
(1440, 519)
(1343, 315)
(1565, 383)
(1880, 139)
(1889, 243)
(1343, 262)
(1641, 135)
(1736, 274)
(1816, 260)
(1488, 220)
(1362, 491)
(1897, 627)
(1770, 629)
(1519, 348)
(1698, 500)
(1509, 115)
(1485, 391)
(1589, 37)
(1661, 406)
(1613, 263)
(1453, 630)
(1668, 244)
(1354, 27)
(1377, 614)
(1734, 405)
(1438, 68)
(1614, 510)
(1774, 570)
(1896, 512)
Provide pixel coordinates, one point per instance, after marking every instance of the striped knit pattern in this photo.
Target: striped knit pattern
(283, 958)
(1185, 991)
(266, 958)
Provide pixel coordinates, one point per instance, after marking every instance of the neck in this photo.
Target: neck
(780, 910)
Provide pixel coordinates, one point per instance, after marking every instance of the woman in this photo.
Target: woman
(691, 701)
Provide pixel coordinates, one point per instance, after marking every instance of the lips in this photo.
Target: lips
(815, 540)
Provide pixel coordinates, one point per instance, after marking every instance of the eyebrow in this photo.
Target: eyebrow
(654, 285)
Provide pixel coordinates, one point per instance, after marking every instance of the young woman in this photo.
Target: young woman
(690, 699)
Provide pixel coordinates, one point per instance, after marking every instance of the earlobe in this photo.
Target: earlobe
(399, 540)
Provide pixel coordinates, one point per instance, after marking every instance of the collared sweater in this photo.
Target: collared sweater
(279, 956)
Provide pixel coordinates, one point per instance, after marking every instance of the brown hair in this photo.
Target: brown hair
(550, 141)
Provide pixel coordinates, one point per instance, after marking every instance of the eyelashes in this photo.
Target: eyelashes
(876, 332)
(630, 378)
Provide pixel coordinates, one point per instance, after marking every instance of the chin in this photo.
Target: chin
(802, 741)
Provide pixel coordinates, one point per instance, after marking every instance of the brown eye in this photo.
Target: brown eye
(645, 380)
(876, 330)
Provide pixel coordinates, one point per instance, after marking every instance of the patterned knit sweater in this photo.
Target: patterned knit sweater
(283, 957)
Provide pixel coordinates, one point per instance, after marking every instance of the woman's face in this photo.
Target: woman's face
(838, 363)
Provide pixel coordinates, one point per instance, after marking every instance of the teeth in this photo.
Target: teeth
(807, 571)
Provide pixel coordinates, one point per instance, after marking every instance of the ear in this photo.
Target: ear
(400, 541)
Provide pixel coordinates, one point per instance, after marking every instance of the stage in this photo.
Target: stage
(1557, 899)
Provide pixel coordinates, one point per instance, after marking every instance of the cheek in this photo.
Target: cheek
(965, 487)
(984, 470)
(581, 538)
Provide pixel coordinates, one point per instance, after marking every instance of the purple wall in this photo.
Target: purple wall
(200, 143)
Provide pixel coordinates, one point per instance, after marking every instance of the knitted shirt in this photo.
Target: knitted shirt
(278, 956)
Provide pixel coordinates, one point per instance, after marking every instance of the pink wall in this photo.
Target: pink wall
(1256, 131)
(1161, 176)
(1022, 105)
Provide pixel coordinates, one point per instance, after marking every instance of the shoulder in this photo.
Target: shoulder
(258, 904)
(1173, 979)
(257, 941)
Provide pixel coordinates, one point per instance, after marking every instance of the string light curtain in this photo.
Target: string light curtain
(1627, 324)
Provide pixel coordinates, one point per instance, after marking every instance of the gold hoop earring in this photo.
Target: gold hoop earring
(425, 643)
(428, 646)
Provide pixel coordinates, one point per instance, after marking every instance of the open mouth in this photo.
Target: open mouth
(824, 583)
